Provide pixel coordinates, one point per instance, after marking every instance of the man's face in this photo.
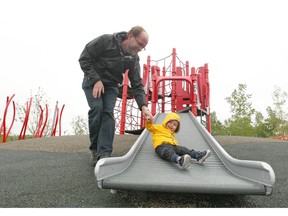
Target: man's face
(137, 44)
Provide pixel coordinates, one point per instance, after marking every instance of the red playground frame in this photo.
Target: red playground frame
(173, 87)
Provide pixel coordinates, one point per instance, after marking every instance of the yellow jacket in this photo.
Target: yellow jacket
(160, 134)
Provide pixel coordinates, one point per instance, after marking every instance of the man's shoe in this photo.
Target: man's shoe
(184, 161)
(202, 156)
(103, 156)
(93, 158)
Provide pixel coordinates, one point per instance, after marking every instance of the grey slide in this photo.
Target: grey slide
(142, 169)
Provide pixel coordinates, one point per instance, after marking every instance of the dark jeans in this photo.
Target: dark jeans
(101, 118)
(171, 152)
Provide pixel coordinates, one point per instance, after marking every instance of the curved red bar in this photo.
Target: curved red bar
(3, 126)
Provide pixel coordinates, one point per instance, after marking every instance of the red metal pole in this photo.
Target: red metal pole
(154, 91)
(124, 103)
(187, 74)
(3, 126)
(194, 93)
(45, 122)
(187, 68)
(60, 119)
(163, 90)
(37, 133)
(13, 118)
(146, 75)
(173, 93)
(147, 85)
(208, 116)
(25, 122)
(56, 120)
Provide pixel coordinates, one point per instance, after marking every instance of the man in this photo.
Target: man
(104, 60)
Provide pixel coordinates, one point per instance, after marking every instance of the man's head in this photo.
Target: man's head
(136, 40)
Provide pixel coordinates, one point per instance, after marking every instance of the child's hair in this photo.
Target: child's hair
(178, 127)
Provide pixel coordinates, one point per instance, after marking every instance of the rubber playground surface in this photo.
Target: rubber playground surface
(55, 172)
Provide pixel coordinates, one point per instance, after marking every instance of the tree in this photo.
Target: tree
(217, 128)
(272, 122)
(240, 123)
(40, 98)
(80, 126)
(277, 117)
(261, 127)
(279, 100)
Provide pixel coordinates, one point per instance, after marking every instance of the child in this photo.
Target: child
(167, 147)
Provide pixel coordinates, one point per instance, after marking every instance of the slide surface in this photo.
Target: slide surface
(142, 169)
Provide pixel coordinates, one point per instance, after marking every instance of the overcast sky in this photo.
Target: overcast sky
(243, 41)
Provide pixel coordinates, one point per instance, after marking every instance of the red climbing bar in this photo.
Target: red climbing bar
(124, 102)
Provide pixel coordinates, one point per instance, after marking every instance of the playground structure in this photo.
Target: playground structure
(5, 129)
(178, 89)
(173, 87)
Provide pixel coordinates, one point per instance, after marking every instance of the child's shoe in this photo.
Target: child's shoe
(202, 156)
(184, 161)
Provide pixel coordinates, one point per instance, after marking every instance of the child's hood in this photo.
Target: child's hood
(169, 117)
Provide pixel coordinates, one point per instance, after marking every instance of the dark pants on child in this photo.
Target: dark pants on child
(171, 152)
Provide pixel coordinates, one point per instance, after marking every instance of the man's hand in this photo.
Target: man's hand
(98, 89)
(147, 114)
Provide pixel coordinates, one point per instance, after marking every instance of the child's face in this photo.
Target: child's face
(172, 125)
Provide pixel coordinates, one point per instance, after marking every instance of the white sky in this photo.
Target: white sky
(243, 41)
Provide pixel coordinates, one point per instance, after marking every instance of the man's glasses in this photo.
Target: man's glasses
(140, 45)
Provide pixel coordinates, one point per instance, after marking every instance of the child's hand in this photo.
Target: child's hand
(147, 114)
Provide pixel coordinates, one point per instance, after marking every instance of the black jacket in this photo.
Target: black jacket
(102, 59)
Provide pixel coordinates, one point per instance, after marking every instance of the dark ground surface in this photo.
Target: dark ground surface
(55, 173)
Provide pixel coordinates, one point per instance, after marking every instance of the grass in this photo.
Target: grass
(14, 138)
